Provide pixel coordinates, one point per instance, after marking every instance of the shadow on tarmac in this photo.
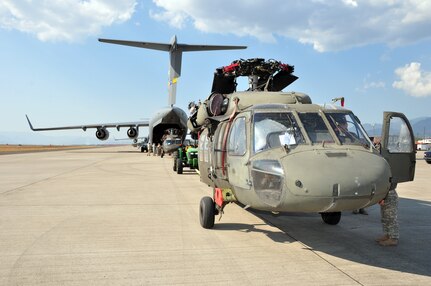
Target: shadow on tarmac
(354, 237)
(277, 236)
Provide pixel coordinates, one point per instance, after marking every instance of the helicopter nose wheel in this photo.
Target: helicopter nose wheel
(207, 212)
(331, 218)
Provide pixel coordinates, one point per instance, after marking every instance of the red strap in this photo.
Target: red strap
(218, 197)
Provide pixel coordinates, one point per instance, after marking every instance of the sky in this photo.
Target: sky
(374, 53)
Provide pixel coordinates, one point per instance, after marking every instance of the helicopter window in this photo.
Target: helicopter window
(348, 129)
(273, 130)
(268, 180)
(316, 128)
(237, 139)
(399, 137)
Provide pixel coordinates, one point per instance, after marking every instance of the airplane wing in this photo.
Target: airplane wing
(84, 127)
(146, 45)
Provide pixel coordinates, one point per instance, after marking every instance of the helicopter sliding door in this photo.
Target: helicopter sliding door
(397, 146)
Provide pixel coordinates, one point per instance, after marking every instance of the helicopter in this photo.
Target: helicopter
(276, 151)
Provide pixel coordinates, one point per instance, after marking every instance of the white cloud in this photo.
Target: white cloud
(67, 20)
(413, 80)
(374, 84)
(326, 25)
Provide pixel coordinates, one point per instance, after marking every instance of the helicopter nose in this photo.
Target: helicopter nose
(336, 180)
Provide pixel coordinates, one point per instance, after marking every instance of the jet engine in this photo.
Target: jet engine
(102, 134)
(133, 132)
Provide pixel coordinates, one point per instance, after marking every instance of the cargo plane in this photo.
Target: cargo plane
(168, 118)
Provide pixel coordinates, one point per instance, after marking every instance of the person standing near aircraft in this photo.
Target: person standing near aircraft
(149, 148)
(389, 212)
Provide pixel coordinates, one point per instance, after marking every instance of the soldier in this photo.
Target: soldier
(149, 149)
(159, 149)
(389, 210)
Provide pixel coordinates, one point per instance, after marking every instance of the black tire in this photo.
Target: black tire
(175, 165)
(207, 212)
(196, 164)
(429, 162)
(331, 218)
(142, 149)
(179, 166)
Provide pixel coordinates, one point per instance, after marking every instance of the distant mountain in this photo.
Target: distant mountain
(373, 129)
(421, 127)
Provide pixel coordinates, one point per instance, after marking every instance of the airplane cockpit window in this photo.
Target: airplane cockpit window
(273, 130)
(237, 139)
(315, 127)
(348, 130)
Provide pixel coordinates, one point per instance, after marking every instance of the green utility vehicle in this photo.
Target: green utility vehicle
(185, 157)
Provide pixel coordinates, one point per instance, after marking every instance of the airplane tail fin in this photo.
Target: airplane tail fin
(145, 45)
(175, 54)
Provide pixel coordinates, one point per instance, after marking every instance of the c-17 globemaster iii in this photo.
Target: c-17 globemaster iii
(168, 118)
(277, 151)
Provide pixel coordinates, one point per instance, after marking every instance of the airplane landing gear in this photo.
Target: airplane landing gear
(332, 218)
(207, 212)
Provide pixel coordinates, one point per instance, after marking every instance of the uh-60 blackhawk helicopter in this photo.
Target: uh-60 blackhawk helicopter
(276, 151)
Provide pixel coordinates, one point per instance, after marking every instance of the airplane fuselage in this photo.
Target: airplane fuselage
(165, 119)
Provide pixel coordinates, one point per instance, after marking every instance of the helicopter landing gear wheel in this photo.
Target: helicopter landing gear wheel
(207, 212)
(332, 218)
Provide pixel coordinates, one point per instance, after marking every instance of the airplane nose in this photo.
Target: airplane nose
(343, 179)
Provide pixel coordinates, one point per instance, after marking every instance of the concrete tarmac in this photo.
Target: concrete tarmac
(114, 216)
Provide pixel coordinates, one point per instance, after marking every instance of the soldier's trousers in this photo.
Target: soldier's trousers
(389, 212)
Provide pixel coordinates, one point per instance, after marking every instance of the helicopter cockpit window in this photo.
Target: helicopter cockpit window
(315, 127)
(237, 139)
(348, 130)
(273, 130)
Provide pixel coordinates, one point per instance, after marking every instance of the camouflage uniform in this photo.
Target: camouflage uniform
(389, 214)
(159, 149)
(149, 149)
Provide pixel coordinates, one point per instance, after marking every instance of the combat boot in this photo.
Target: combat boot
(389, 242)
(382, 238)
